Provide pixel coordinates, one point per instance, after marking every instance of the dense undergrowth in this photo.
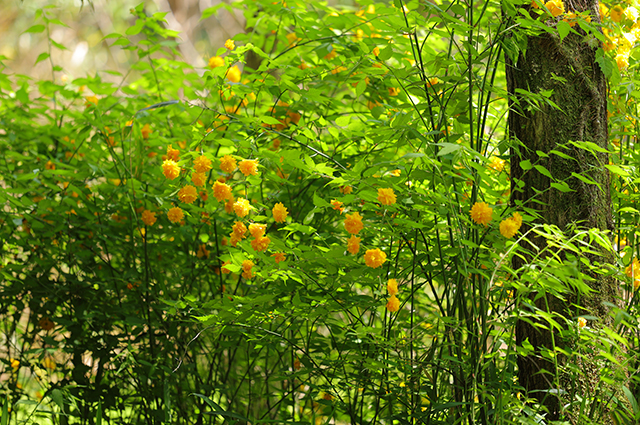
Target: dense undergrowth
(295, 242)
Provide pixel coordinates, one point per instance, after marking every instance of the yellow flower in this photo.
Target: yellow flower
(508, 228)
(146, 131)
(221, 191)
(229, 44)
(188, 194)
(241, 207)
(616, 13)
(49, 166)
(496, 163)
(376, 51)
(15, 364)
(224, 269)
(228, 206)
(292, 38)
(257, 230)
(202, 164)
(202, 251)
(481, 213)
(279, 257)
(633, 271)
(571, 19)
(631, 13)
(91, 101)
(432, 82)
(175, 215)
(393, 304)
(517, 218)
(216, 62)
(582, 322)
(239, 229)
(173, 154)
(353, 223)
(279, 212)
(622, 60)
(374, 258)
(556, 7)
(337, 205)
(228, 164)
(247, 265)
(392, 287)
(148, 217)
(386, 196)
(199, 179)
(260, 243)
(345, 190)
(353, 244)
(248, 167)
(234, 74)
(170, 169)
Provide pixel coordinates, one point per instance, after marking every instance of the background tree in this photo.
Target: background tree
(559, 102)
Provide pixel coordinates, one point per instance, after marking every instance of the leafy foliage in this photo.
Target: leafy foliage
(208, 245)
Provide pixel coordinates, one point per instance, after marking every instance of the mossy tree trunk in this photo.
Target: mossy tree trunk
(568, 68)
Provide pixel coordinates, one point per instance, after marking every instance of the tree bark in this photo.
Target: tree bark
(569, 69)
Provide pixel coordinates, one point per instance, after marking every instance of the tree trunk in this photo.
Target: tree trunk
(569, 69)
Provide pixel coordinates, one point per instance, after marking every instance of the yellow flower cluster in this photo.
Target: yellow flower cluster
(353, 244)
(375, 258)
(481, 213)
(247, 265)
(228, 164)
(188, 194)
(170, 169)
(279, 212)
(510, 226)
(633, 271)
(393, 304)
(148, 217)
(242, 207)
(221, 191)
(175, 215)
(202, 164)
(353, 223)
(248, 167)
(279, 257)
(386, 196)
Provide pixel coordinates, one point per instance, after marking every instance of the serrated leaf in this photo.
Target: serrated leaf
(563, 29)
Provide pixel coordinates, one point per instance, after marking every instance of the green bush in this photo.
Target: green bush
(132, 295)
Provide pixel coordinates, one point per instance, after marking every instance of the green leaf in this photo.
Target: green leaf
(41, 57)
(447, 148)
(4, 420)
(615, 169)
(526, 165)
(561, 186)
(585, 179)
(35, 29)
(543, 171)
(563, 29)
(632, 400)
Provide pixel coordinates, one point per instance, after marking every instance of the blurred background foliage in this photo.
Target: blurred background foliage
(90, 21)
